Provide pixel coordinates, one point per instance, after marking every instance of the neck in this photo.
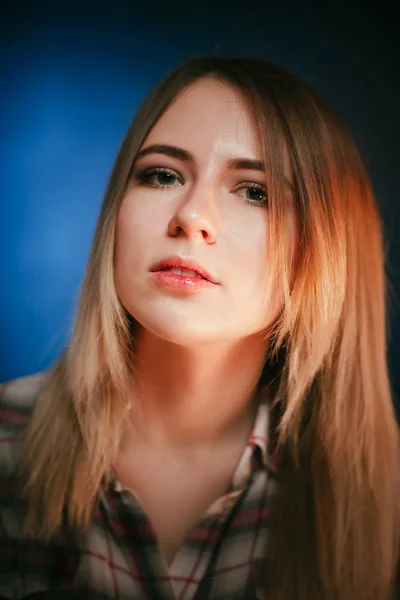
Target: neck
(195, 396)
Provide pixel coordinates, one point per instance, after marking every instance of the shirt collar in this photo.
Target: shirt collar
(257, 440)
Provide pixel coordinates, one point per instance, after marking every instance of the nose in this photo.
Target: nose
(196, 214)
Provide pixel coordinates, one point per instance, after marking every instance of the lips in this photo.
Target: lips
(182, 266)
(183, 272)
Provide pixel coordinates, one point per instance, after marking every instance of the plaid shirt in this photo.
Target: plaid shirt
(119, 557)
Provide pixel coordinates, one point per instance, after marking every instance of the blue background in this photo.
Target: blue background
(72, 77)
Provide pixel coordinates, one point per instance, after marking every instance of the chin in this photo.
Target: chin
(180, 330)
(189, 335)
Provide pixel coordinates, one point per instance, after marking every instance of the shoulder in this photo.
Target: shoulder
(17, 401)
(26, 565)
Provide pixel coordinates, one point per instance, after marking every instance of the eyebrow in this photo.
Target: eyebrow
(185, 156)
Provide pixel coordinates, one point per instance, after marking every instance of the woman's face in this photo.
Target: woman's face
(197, 194)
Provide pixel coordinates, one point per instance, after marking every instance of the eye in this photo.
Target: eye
(253, 193)
(159, 177)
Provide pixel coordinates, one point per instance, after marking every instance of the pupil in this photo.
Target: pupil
(256, 194)
(165, 177)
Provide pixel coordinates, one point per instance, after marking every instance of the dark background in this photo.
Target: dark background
(72, 76)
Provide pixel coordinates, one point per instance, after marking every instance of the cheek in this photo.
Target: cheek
(134, 219)
(248, 248)
(138, 225)
(251, 258)
(129, 249)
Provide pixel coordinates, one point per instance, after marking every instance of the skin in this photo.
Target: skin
(196, 408)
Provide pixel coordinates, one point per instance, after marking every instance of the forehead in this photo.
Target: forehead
(208, 115)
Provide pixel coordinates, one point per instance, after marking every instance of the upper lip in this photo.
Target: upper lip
(176, 262)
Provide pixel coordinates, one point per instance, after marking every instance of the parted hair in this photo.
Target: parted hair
(337, 523)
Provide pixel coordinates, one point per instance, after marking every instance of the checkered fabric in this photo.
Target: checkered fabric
(118, 557)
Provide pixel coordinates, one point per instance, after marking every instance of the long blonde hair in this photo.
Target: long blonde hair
(338, 515)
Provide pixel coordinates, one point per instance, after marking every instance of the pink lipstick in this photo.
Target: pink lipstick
(181, 274)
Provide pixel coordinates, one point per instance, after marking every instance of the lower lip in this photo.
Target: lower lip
(181, 282)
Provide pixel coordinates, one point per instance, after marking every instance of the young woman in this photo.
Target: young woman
(220, 425)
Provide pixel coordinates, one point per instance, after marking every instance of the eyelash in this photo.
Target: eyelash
(145, 176)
